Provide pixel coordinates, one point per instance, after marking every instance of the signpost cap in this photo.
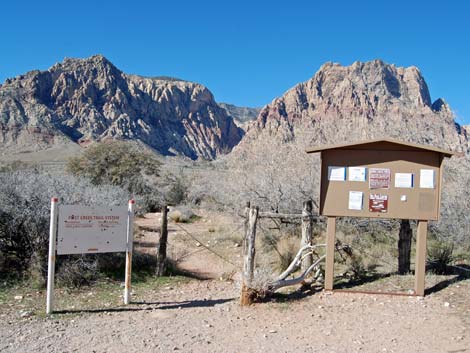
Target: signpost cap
(132, 201)
(54, 199)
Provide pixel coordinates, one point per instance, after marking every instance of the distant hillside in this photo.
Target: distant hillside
(241, 115)
(86, 100)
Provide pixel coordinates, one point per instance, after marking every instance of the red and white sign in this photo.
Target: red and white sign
(85, 230)
(378, 203)
(379, 178)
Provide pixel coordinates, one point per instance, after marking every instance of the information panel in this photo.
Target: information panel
(379, 178)
(378, 203)
(85, 230)
(381, 184)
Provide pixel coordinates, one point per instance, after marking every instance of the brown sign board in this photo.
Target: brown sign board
(402, 181)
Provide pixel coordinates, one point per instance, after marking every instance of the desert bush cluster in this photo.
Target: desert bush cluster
(24, 215)
(108, 173)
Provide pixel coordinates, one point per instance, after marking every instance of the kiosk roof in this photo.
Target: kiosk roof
(381, 144)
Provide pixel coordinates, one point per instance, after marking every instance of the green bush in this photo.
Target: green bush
(122, 164)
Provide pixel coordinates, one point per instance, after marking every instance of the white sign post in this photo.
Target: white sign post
(51, 260)
(129, 247)
(89, 230)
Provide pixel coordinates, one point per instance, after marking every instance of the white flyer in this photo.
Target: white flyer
(403, 180)
(357, 174)
(337, 173)
(426, 178)
(355, 200)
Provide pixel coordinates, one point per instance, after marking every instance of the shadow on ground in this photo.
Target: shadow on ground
(462, 272)
(144, 306)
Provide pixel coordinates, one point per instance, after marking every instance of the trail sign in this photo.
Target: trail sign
(84, 230)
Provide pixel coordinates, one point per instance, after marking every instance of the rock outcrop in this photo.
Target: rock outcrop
(241, 115)
(362, 101)
(86, 100)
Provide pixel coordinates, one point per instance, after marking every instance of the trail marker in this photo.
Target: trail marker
(86, 230)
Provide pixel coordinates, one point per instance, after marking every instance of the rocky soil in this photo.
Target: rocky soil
(204, 316)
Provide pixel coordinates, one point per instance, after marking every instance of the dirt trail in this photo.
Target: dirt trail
(204, 315)
(197, 246)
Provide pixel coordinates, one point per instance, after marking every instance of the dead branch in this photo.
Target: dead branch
(281, 280)
(295, 264)
(291, 282)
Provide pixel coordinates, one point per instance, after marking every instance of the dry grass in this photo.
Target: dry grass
(103, 295)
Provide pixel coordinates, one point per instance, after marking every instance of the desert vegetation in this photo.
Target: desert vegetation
(277, 179)
(105, 174)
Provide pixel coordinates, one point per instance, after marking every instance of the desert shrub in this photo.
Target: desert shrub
(262, 277)
(357, 267)
(12, 166)
(114, 162)
(176, 188)
(78, 270)
(182, 214)
(24, 215)
(287, 249)
(440, 256)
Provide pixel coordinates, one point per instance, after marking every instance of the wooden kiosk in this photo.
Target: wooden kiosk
(381, 179)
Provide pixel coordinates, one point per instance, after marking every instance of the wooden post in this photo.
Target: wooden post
(307, 231)
(404, 247)
(52, 256)
(161, 256)
(249, 250)
(330, 252)
(129, 249)
(420, 262)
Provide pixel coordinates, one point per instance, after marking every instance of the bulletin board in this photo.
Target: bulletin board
(381, 183)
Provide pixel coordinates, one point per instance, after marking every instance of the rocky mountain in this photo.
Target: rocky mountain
(362, 101)
(241, 115)
(85, 100)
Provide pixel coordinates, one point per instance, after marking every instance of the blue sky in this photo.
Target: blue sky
(245, 52)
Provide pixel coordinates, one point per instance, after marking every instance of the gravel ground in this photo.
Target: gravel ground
(204, 316)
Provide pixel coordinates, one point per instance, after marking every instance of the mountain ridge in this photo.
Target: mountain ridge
(361, 101)
(86, 100)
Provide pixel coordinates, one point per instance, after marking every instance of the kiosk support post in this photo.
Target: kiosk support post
(330, 252)
(420, 266)
(130, 241)
(52, 256)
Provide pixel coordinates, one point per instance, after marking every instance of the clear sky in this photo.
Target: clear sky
(245, 52)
